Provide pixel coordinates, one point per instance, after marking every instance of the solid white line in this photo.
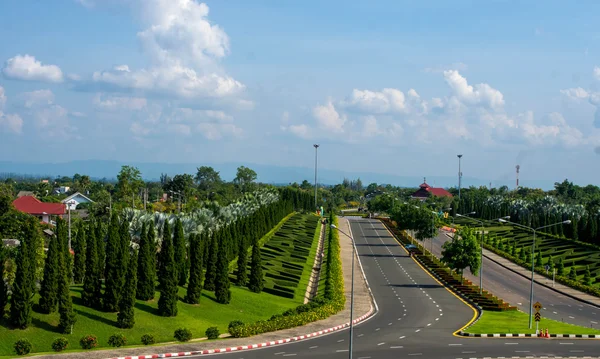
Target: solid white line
(397, 347)
(565, 343)
(279, 353)
(289, 355)
(511, 343)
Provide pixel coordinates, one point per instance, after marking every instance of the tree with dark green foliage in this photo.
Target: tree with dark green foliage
(522, 255)
(112, 267)
(23, 288)
(222, 285)
(167, 303)
(560, 268)
(194, 289)
(255, 283)
(180, 253)
(49, 286)
(587, 277)
(100, 248)
(242, 263)
(124, 252)
(3, 284)
(528, 256)
(126, 316)
(573, 272)
(65, 303)
(79, 246)
(146, 272)
(551, 264)
(211, 264)
(92, 284)
(538, 259)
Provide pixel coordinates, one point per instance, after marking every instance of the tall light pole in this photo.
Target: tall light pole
(459, 176)
(351, 291)
(316, 148)
(69, 212)
(533, 258)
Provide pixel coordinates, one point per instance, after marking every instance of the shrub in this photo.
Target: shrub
(213, 332)
(22, 347)
(234, 323)
(117, 340)
(148, 339)
(183, 334)
(88, 342)
(60, 344)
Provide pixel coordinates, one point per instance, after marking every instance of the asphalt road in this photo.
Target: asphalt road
(515, 289)
(416, 316)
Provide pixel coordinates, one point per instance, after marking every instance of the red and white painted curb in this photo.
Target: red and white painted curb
(252, 346)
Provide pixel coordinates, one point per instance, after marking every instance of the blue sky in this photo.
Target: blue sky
(384, 86)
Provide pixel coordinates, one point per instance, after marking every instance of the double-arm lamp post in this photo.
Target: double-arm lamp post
(351, 290)
(532, 258)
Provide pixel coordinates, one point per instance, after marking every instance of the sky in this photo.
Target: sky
(397, 87)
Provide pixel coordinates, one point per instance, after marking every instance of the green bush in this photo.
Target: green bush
(183, 334)
(60, 344)
(88, 342)
(22, 347)
(148, 339)
(213, 332)
(234, 323)
(117, 340)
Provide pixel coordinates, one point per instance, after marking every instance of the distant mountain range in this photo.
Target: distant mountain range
(266, 173)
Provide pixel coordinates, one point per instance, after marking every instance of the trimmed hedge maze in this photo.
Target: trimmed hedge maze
(509, 241)
(285, 255)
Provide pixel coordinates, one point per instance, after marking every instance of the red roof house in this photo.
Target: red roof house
(42, 210)
(426, 191)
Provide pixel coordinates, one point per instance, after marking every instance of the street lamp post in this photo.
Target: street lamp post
(69, 212)
(351, 290)
(533, 258)
(316, 148)
(459, 176)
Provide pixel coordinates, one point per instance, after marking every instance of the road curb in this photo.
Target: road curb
(372, 311)
(521, 335)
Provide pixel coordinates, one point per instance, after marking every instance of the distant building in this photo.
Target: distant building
(75, 199)
(44, 211)
(425, 191)
(25, 193)
(62, 189)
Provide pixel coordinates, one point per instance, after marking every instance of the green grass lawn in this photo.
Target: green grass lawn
(294, 246)
(518, 322)
(245, 305)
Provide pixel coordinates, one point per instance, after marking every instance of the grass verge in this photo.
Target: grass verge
(517, 322)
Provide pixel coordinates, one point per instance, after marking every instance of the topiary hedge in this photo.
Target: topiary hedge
(331, 302)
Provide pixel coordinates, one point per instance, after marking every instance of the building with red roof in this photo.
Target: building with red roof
(425, 191)
(42, 210)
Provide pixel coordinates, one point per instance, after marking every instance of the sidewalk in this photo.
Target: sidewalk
(362, 305)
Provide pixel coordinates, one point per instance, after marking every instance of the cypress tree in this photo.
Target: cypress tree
(256, 276)
(587, 277)
(211, 266)
(100, 248)
(145, 273)
(65, 303)
(222, 292)
(560, 269)
(92, 284)
(194, 289)
(573, 272)
(22, 289)
(113, 267)
(126, 316)
(180, 253)
(551, 264)
(49, 286)
(124, 252)
(538, 260)
(242, 263)
(3, 285)
(167, 303)
(79, 246)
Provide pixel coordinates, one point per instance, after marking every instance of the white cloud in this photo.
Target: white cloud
(2, 98)
(38, 98)
(328, 118)
(11, 122)
(115, 103)
(576, 93)
(180, 129)
(214, 131)
(301, 131)
(190, 115)
(597, 72)
(139, 129)
(388, 100)
(480, 94)
(370, 126)
(27, 68)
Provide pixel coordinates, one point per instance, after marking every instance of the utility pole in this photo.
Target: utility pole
(316, 148)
